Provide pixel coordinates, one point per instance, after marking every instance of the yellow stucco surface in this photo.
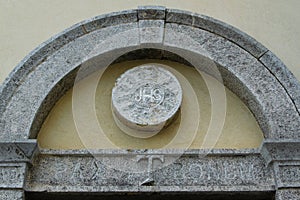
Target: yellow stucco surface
(62, 131)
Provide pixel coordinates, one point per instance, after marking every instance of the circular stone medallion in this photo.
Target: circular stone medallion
(145, 99)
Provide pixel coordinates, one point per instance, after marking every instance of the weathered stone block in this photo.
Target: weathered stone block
(287, 174)
(284, 75)
(133, 171)
(12, 175)
(112, 19)
(288, 194)
(242, 73)
(151, 12)
(17, 151)
(179, 17)
(229, 32)
(151, 32)
(285, 150)
(12, 195)
(145, 99)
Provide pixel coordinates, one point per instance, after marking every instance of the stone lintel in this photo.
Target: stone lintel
(143, 172)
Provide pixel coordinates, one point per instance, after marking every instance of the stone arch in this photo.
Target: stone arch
(246, 67)
(256, 75)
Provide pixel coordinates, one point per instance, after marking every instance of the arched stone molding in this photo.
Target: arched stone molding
(256, 75)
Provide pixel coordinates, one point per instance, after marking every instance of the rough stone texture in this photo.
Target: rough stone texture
(152, 53)
(179, 17)
(243, 74)
(229, 32)
(145, 99)
(12, 175)
(111, 19)
(151, 32)
(22, 109)
(32, 60)
(287, 174)
(250, 80)
(284, 76)
(273, 150)
(288, 194)
(151, 12)
(40, 54)
(188, 173)
(215, 26)
(267, 87)
(11, 194)
(22, 151)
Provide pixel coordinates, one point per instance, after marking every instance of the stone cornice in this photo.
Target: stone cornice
(17, 151)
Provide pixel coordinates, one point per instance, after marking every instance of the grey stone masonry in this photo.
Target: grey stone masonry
(219, 171)
(26, 104)
(145, 99)
(284, 157)
(284, 76)
(288, 174)
(247, 68)
(12, 175)
(12, 178)
(151, 32)
(17, 151)
(285, 150)
(215, 26)
(11, 194)
(14, 159)
(288, 194)
(151, 12)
